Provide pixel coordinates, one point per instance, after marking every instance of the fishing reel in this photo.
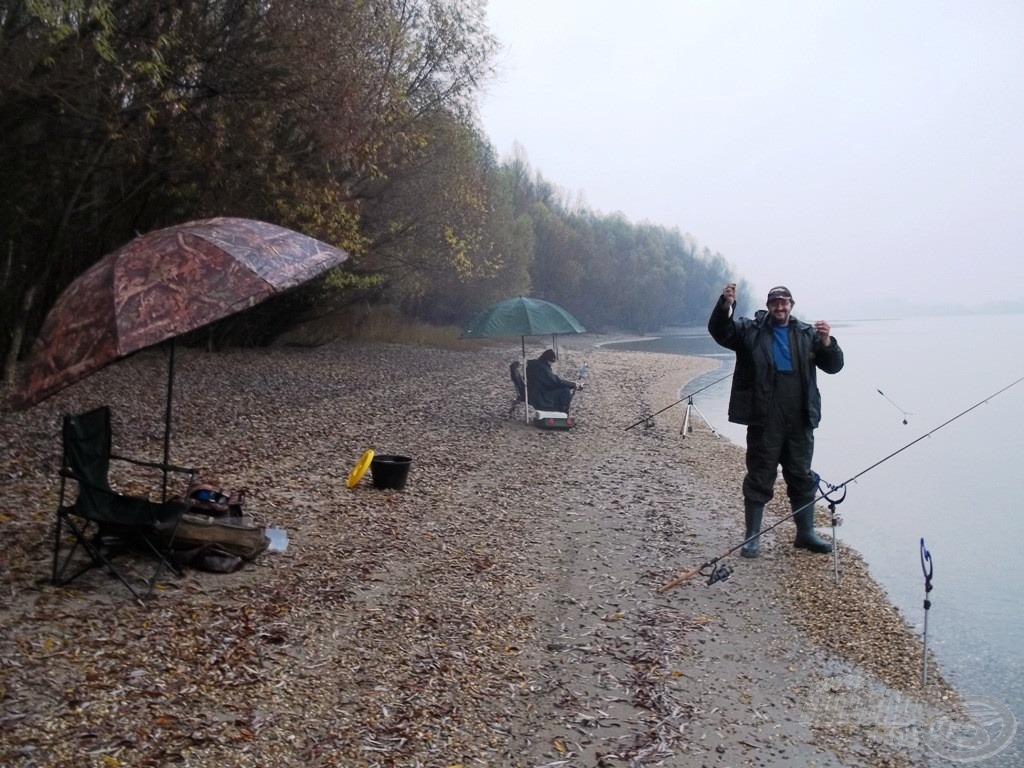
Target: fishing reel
(716, 574)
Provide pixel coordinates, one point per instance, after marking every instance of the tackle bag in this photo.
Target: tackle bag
(215, 501)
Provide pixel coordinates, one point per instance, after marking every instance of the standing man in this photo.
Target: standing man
(775, 393)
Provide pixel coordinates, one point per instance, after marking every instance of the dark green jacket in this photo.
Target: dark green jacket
(543, 385)
(752, 379)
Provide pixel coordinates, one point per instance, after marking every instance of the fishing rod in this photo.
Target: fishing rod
(716, 572)
(723, 572)
(684, 398)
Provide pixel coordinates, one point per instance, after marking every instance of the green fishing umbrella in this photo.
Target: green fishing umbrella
(522, 316)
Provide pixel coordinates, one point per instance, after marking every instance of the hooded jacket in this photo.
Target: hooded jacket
(753, 377)
(543, 385)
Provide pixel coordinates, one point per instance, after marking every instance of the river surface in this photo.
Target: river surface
(954, 481)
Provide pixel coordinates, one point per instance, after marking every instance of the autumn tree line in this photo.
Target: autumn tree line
(353, 121)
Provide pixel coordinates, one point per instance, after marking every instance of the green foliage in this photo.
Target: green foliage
(350, 121)
(608, 271)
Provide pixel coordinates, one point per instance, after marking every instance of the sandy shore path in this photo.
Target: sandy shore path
(503, 609)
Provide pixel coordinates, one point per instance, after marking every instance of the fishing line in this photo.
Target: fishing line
(722, 572)
(905, 413)
(929, 434)
(648, 417)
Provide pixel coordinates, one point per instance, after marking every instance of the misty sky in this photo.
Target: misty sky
(851, 150)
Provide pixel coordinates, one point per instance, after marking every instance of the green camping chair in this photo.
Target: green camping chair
(102, 521)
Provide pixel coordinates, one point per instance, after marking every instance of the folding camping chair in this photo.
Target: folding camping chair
(516, 374)
(101, 520)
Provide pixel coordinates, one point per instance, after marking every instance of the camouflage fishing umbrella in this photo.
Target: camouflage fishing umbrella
(161, 285)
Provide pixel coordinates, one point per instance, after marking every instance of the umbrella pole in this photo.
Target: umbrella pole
(526, 382)
(167, 418)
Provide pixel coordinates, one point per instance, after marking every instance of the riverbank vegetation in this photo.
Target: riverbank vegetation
(354, 122)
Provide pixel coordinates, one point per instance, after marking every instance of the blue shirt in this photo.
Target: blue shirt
(780, 348)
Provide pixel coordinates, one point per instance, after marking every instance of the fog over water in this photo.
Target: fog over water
(867, 154)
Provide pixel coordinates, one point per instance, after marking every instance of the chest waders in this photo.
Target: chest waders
(800, 446)
(785, 439)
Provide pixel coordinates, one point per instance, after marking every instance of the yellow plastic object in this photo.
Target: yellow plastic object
(360, 468)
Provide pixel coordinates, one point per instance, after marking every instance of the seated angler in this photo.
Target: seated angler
(546, 391)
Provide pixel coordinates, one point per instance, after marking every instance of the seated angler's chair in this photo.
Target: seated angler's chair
(101, 520)
(517, 381)
(542, 419)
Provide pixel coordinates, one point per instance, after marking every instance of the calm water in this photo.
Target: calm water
(957, 488)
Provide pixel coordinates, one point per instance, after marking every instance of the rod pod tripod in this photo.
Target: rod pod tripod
(648, 418)
(691, 407)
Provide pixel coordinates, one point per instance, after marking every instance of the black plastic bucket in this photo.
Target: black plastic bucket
(390, 471)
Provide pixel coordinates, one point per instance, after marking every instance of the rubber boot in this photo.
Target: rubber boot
(753, 513)
(806, 538)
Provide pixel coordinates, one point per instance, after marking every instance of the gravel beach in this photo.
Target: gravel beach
(503, 609)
